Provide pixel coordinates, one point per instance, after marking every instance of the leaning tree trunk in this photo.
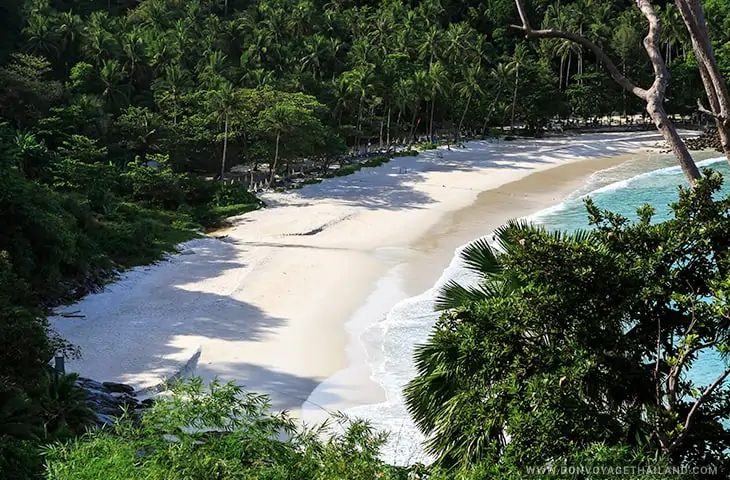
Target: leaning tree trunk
(654, 96)
(712, 79)
(490, 112)
(225, 148)
(463, 115)
(413, 123)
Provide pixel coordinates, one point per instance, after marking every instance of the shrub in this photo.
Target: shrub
(158, 186)
(228, 194)
(225, 433)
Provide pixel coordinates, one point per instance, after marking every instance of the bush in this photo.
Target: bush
(225, 433)
(158, 186)
(228, 194)
(19, 459)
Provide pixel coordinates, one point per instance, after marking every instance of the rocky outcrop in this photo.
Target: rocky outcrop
(709, 140)
(109, 400)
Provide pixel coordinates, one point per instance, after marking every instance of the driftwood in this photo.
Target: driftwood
(654, 96)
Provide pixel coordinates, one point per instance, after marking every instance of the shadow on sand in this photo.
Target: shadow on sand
(149, 326)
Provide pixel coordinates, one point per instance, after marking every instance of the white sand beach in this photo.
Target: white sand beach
(266, 305)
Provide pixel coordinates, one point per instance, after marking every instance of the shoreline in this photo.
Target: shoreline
(268, 305)
(429, 256)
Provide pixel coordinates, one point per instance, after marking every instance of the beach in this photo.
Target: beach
(267, 302)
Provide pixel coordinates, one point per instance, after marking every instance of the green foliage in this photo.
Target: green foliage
(116, 115)
(571, 340)
(229, 194)
(221, 432)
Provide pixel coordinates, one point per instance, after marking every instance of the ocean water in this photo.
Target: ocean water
(620, 189)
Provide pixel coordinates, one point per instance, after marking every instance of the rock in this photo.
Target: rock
(89, 384)
(147, 403)
(709, 139)
(109, 400)
(118, 387)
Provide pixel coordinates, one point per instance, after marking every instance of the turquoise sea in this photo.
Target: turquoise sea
(654, 180)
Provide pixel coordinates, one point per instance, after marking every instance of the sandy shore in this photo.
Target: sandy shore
(266, 305)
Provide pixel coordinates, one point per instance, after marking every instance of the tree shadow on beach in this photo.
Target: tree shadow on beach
(147, 326)
(390, 186)
(286, 390)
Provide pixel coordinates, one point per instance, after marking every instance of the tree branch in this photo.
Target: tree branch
(700, 400)
(581, 40)
(654, 97)
(701, 108)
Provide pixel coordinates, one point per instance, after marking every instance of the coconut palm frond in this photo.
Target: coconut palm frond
(481, 258)
(453, 295)
(577, 236)
(509, 234)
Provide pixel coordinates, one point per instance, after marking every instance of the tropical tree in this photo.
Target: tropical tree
(567, 340)
(468, 88)
(223, 104)
(170, 87)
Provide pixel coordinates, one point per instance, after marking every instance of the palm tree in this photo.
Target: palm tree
(430, 44)
(437, 392)
(468, 87)
(359, 82)
(556, 17)
(211, 70)
(518, 58)
(499, 78)
(437, 81)
(440, 399)
(134, 53)
(223, 104)
(673, 30)
(112, 76)
(175, 81)
(69, 28)
(161, 51)
(41, 36)
(98, 42)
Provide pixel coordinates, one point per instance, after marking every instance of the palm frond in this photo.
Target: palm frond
(481, 258)
(453, 295)
(508, 235)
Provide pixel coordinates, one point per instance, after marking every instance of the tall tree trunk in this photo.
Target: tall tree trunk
(722, 129)
(580, 58)
(387, 132)
(490, 111)
(567, 71)
(359, 118)
(276, 158)
(715, 86)
(380, 142)
(463, 115)
(413, 123)
(430, 122)
(562, 65)
(514, 100)
(225, 148)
